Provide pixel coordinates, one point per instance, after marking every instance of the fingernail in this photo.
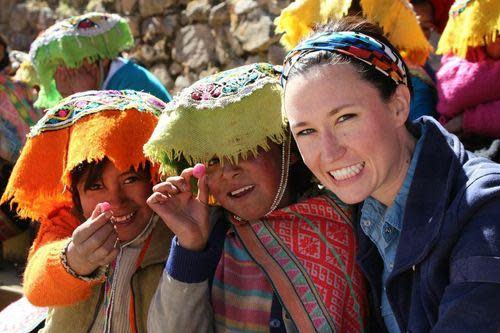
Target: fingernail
(199, 170)
(105, 206)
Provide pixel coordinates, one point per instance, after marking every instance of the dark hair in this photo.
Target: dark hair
(300, 178)
(385, 85)
(91, 172)
(4, 61)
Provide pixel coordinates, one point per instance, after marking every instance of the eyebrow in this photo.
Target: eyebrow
(331, 113)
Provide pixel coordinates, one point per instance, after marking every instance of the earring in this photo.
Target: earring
(212, 201)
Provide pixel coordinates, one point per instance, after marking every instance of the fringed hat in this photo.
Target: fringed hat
(83, 127)
(396, 17)
(472, 23)
(229, 115)
(69, 42)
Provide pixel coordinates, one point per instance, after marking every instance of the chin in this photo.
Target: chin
(350, 198)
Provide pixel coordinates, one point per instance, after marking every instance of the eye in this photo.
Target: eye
(213, 161)
(131, 179)
(306, 131)
(95, 187)
(345, 117)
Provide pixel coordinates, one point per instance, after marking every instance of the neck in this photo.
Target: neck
(388, 192)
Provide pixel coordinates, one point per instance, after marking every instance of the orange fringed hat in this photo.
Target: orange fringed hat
(396, 17)
(86, 126)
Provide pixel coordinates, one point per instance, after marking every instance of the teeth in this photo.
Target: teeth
(347, 172)
(241, 190)
(124, 218)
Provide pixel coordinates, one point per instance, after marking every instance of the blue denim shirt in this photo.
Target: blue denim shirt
(383, 226)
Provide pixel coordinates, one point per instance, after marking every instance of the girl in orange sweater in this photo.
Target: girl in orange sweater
(99, 253)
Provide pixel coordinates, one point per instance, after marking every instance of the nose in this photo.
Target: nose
(230, 170)
(331, 147)
(117, 199)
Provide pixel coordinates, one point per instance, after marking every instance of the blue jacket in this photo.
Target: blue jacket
(134, 77)
(446, 276)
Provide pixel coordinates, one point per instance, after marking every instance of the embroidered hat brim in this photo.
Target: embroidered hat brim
(229, 115)
(82, 127)
(69, 42)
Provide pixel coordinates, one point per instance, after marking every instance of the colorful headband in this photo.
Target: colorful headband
(229, 115)
(353, 44)
(69, 42)
(86, 126)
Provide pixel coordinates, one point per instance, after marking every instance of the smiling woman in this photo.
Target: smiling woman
(425, 201)
(84, 177)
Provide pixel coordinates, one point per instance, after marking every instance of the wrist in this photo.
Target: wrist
(73, 263)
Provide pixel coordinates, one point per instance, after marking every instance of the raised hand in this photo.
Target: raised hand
(185, 214)
(73, 80)
(93, 242)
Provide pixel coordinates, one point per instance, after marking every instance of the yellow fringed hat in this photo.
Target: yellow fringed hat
(471, 23)
(83, 127)
(396, 17)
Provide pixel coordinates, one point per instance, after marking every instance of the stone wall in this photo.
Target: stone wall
(179, 41)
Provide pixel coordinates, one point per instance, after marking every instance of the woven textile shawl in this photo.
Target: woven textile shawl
(307, 253)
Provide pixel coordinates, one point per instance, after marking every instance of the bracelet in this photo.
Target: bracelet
(92, 277)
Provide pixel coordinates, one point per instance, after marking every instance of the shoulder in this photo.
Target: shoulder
(481, 187)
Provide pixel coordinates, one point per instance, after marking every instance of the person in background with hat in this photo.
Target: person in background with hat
(469, 77)
(82, 53)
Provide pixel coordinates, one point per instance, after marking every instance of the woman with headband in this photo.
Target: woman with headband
(428, 238)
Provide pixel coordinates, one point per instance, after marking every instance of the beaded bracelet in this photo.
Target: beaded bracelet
(94, 276)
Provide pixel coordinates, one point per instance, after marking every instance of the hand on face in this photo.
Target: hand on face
(73, 80)
(93, 242)
(185, 214)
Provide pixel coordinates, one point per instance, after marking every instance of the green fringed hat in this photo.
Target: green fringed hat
(229, 115)
(69, 42)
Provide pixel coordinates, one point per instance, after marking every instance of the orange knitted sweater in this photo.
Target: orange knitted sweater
(46, 281)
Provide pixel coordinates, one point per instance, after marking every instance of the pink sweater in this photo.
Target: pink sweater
(471, 88)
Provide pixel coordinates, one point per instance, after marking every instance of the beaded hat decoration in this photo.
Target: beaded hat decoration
(92, 36)
(471, 23)
(83, 127)
(355, 45)
(229, 115)
(396, 17)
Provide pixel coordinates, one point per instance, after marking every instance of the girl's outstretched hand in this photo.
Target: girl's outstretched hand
(185, 214)
(93, 242)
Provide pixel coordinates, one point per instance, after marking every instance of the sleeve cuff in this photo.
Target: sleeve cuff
(196, 266)
(190, 266)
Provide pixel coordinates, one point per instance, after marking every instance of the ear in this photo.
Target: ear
(400, 105)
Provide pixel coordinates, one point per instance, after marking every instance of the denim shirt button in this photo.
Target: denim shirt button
(367, 223)
(275, 323)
